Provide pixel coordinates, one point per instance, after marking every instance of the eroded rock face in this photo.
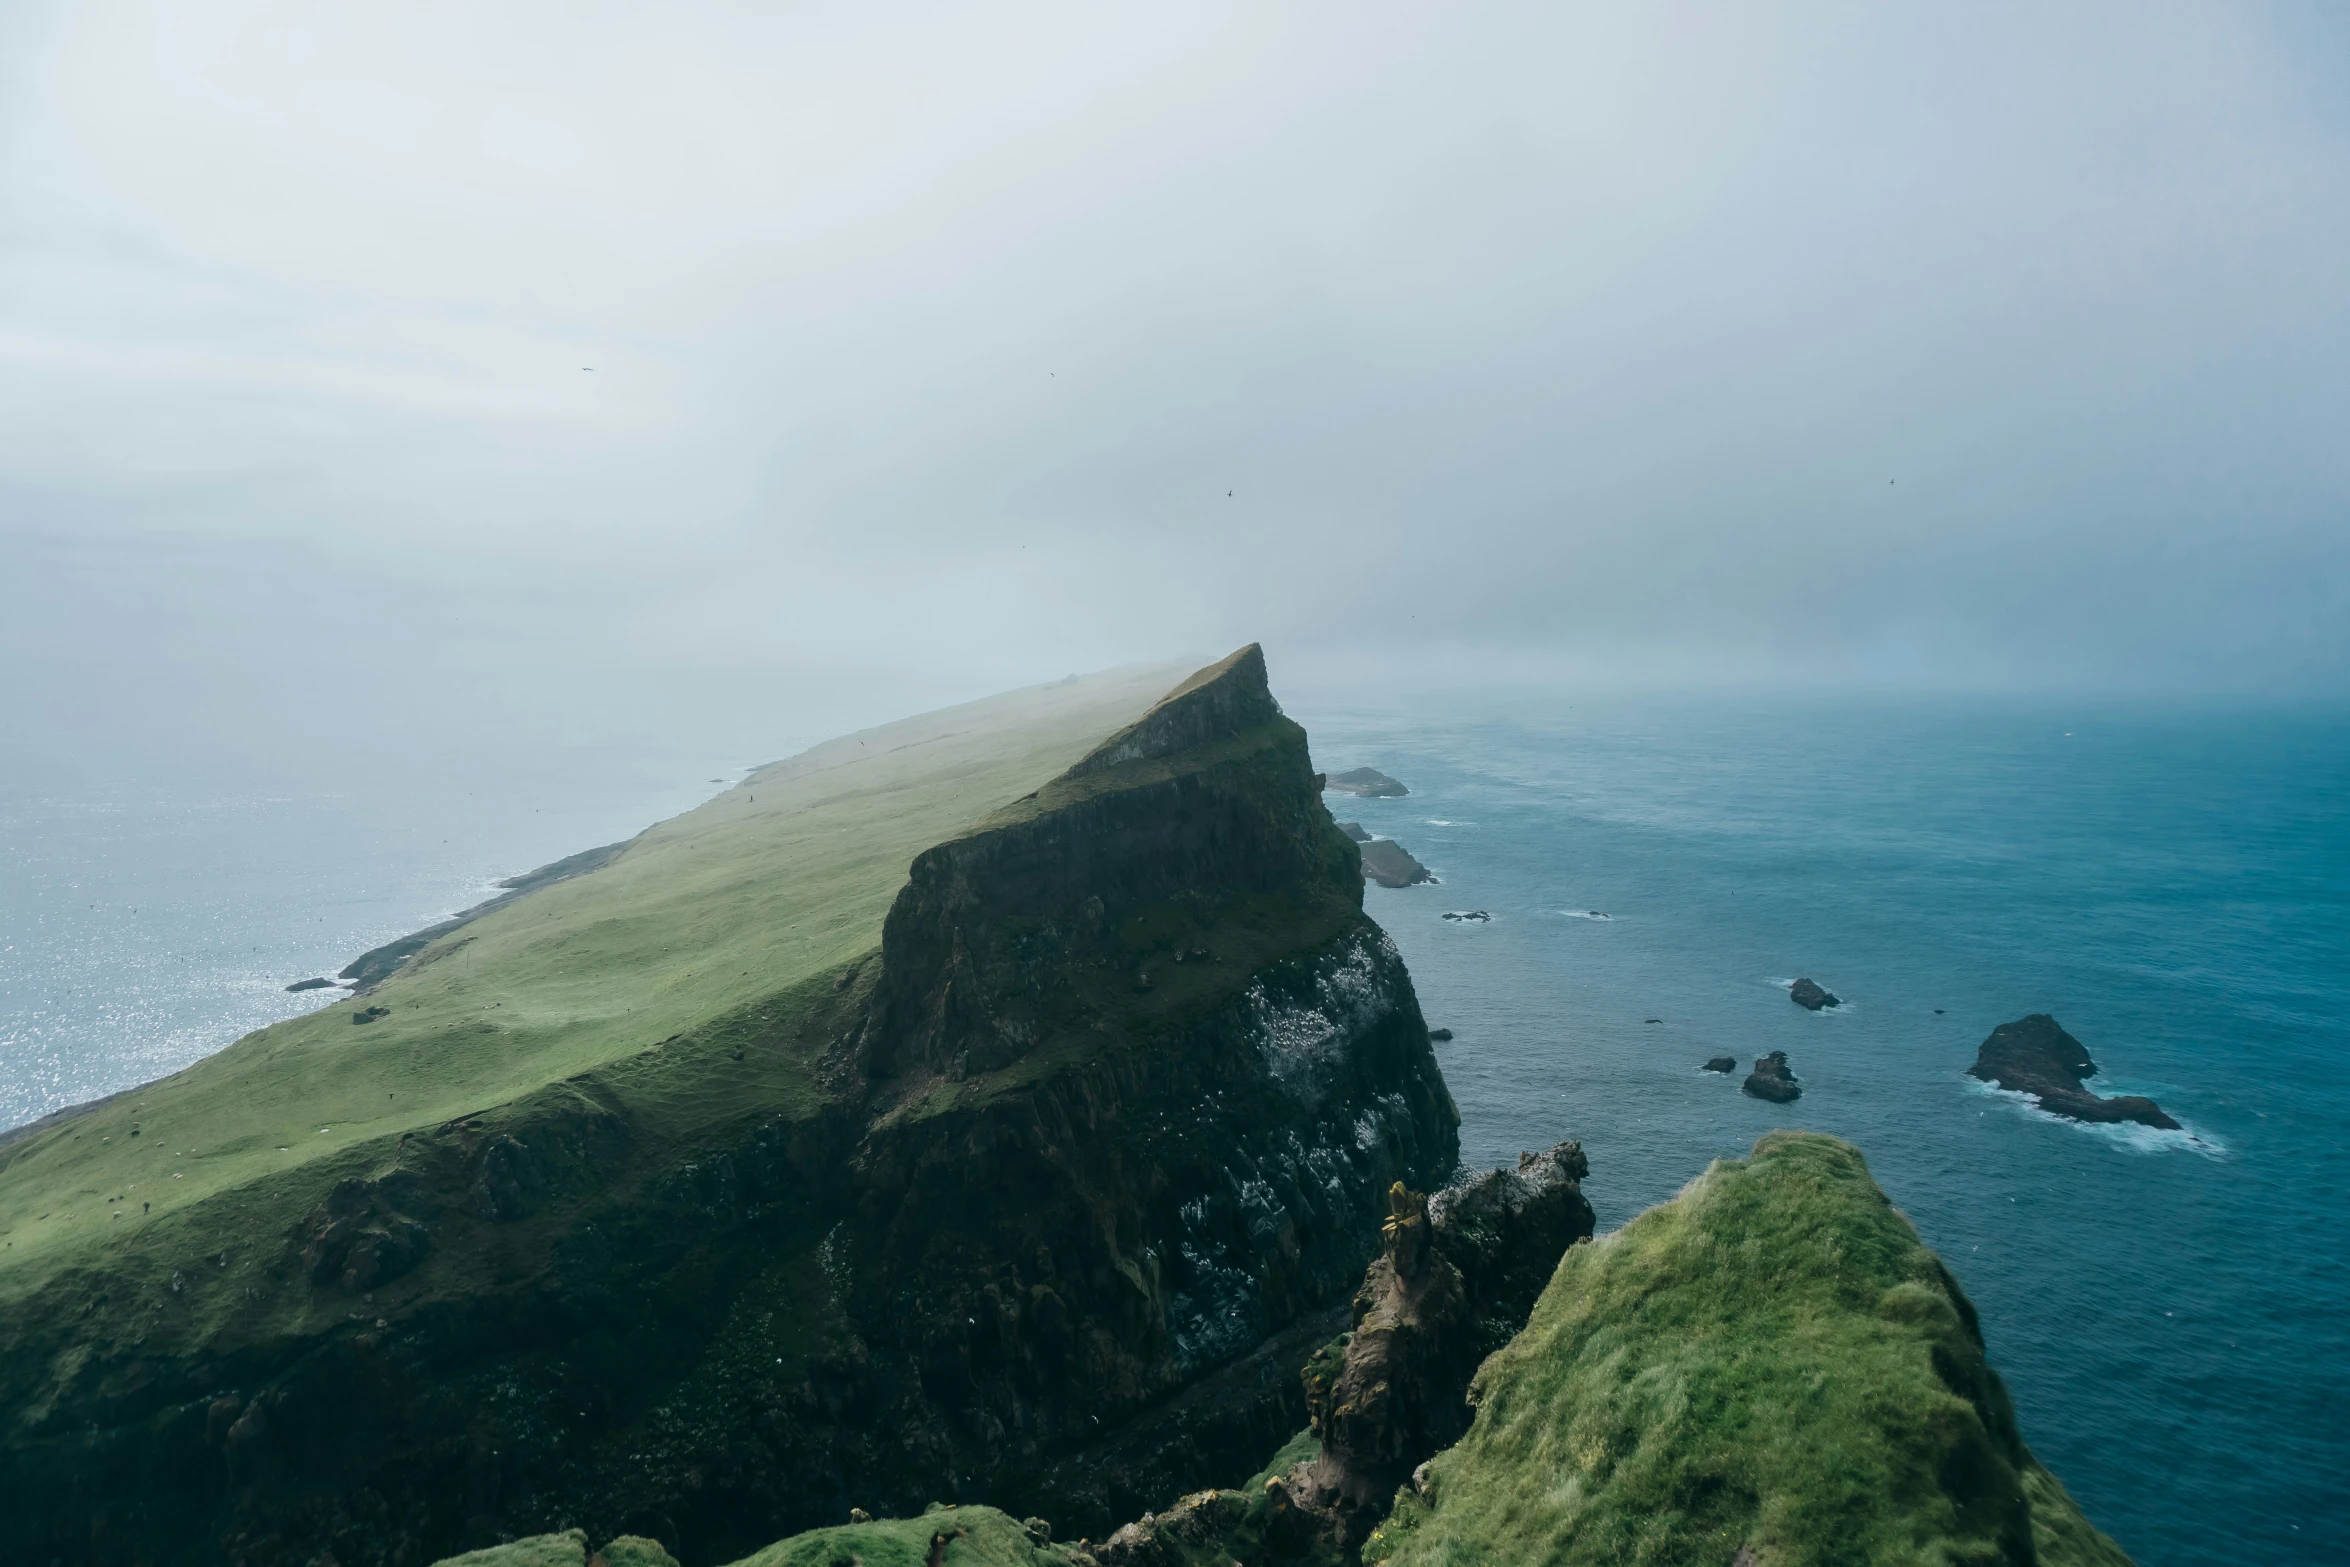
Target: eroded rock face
(2034, 1055)
(1456, 1277)
(1391, 865)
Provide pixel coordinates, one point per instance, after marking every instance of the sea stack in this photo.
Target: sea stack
(1771, 1080)
(1811, 995)
(2034, 1055)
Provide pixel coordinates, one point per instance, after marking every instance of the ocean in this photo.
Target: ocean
(2167, 1308)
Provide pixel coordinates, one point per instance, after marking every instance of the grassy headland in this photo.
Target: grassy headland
(1772, 1369)
(750, 1175)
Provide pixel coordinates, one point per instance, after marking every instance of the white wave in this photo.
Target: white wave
(2126, 1135)
(1586, 914)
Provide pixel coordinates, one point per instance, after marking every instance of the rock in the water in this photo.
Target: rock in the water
(311, 984)
(1771, 1080)
(1479, 915)
(1440, 1036)
(1386, 862)
(1367, 782)
(1354, 831)
(2034, 1055)
(1811, 996)
(1722, 1064)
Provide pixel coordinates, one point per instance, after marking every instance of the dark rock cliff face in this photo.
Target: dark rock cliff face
(1455, 1278)
(2034, 1055)
(1114, 1107)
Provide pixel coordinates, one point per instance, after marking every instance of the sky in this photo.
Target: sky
(446, 369)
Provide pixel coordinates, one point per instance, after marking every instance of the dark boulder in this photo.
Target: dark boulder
(310, 984)
(1440, 1036)
(2034, 1055)
(1811, 996)
(1771, 1080)
(1722, 1064)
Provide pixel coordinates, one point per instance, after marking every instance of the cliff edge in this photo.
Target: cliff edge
(752, 1176)
(1770, 1369)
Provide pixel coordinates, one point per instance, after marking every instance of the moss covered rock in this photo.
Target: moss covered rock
(1770, 1368)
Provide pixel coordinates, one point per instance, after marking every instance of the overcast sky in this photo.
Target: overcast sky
(427, 358)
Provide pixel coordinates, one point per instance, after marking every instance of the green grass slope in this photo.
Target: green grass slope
(784, 877)
(1770, 1369)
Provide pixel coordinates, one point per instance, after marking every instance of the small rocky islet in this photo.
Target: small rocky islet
(1811, 996)
(1772, 1079)
(1366, 783)
(2034, 1055)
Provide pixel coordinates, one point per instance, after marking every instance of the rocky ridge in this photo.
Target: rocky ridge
(2034, 1055)
(1114, 1102)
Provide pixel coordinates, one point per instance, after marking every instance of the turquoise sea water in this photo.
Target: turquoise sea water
(2169, 1310)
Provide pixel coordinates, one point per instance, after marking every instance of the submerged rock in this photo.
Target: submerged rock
(1722, 1064)
(2034, 1055)
(1366, 782)
(1478, 915)
(1457, 1276)
(1809, 995)
(310, 984)
(1771, 1080)
(1441, 1036)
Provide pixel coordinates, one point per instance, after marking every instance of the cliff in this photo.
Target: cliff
(751, 1175)
(1769, 1370)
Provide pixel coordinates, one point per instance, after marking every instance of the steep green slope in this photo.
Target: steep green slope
(784, 876)
(1770, 1369)
(750, 1177)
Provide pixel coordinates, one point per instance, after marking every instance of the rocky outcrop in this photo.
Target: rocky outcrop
(1771, 1079)
(1455, 1277)
(1354, 832)
(1809, 995)
(2034, 1055)
(1722, 1064)
(1366, 782)
(1390, 865)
